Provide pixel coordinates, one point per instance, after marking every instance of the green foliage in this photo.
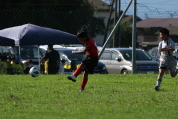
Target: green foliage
(106, 97)
(65, 15)
(58, 5)
(126, 34)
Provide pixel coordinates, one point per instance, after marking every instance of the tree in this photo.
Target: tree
(125, 32)
(65, 15)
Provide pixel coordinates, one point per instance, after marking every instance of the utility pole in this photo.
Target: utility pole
(116, 41)
(119, 14)
(108, 23)
(114, 29)
(134, 37)
(115, 21)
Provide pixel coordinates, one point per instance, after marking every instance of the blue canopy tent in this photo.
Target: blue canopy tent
(6, 41)
(30, 34)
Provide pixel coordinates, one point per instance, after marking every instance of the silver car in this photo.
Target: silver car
(119, 61)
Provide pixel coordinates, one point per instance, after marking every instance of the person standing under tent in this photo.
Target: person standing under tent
(53, 57)
(167, 60)
(89, 63)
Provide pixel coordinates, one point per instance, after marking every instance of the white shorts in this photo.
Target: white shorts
(168, 63)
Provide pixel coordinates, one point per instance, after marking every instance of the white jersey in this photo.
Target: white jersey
(166, 44)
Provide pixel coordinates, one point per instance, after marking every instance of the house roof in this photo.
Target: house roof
(157, 22)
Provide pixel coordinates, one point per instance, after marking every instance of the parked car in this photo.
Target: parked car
(119, 61)
(7, 51)
(76, 59)
(29, 52)
(154, 52)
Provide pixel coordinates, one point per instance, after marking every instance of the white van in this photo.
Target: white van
(119, 61)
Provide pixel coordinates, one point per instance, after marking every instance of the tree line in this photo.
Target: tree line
(65, 15)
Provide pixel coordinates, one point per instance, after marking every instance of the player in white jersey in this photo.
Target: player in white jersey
(167, 60)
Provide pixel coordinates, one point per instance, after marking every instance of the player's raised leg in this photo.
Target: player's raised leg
(76, 73)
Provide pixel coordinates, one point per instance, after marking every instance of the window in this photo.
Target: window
(5, 51)
(28, 52)
(106, 56)
(115, 55)
(140, 55)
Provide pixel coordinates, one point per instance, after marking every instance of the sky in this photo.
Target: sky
(154, 8)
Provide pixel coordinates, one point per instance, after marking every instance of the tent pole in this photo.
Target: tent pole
(39, 57)
(19, 53)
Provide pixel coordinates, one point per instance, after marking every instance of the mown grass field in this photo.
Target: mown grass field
(105, 97)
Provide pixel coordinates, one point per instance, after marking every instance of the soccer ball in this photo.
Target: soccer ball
(34, 72)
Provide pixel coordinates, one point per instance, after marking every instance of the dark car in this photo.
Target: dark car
(76, 59)
(6, 51)
(29, 52)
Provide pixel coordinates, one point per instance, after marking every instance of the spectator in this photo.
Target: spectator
(53, 57)
(42, 63)
(9, 66)
(12, 60)
(17, 67)
(44, 66)
(3, 65)
(26, 66)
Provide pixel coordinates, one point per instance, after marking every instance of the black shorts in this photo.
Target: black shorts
(91, 63)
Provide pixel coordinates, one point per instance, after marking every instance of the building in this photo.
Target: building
(102, 12)
(148, 35)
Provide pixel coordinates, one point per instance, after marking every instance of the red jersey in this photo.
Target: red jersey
(92, 49)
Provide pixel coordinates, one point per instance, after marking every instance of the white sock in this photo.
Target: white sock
(159, 80)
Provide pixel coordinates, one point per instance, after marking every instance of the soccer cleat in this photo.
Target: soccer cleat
(72, 78)
(157, 88)
(81, 89)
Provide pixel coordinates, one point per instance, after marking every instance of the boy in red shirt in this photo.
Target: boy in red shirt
(89, 63)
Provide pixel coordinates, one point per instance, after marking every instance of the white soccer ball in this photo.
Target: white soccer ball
(34, 72)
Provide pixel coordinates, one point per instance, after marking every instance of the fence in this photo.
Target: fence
(94, 21)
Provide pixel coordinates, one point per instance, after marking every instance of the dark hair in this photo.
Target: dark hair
(82, 34)
(29, 60)
(12, 57)
(50, 46)
(164, 31)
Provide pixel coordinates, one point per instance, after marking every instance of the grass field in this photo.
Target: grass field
(105, 97)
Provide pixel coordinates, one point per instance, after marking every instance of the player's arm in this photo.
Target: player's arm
(81, 52)
(167, 49)
(170, 47)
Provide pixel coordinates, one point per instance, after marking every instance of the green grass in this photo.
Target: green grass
(105, 97)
